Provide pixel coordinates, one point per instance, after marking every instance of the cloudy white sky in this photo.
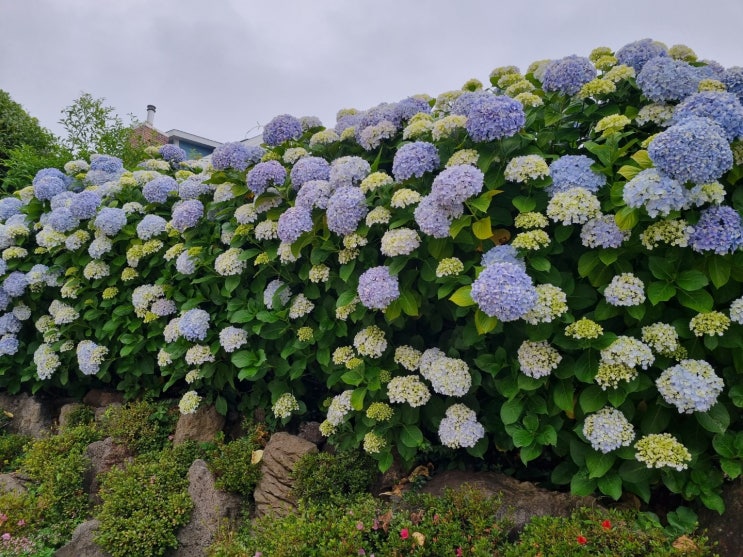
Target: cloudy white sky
(220, 68)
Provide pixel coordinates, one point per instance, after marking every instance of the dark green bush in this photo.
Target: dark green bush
(320, 476)
(233, 466)
(142, 426)
(144, 505)
(11, 449)
(82, 415)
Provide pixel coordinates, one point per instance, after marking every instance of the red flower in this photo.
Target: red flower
(582, 540)
(458, 552)
(606, 524)
(404, 534)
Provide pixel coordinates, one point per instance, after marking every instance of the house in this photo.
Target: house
(195, 146)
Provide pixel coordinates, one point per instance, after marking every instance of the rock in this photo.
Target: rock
(98, 398)
(273, 493)
(30, 416)
(103, 456)
(212, 509)
(521, 500)
(82, 544)
(66, 411)
(310, 431)
(725, 529)
(203, 425)
(11, 483)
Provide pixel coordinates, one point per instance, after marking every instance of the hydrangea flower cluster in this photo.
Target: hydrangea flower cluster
(459, 428)
(723, 108)
(378, 288)
(172, 153)
(408, 389)
(625, 289)
(235, 155)
(449, 267)
(90, 356)
(493, 117)
(608, 429)
(230, 262)
(187, 214)
(709, 323)
(194, 324)
(658, 450)
(568, 74)
(673, 232)
(158, 190)
(690, 385)
(189, 402)
(636, 54)
(300, 306)
(348, 171)
(370, 341)
(284, 406)
(282, 128)
(294, 222)
(346, 209)
(264, 175)
(661, 337)
(408, 357)
(719, 230)
(399, 241)
(504, 290)
(232, 338)
(551, 303)
(537, 358)
(448, 376)
(414, 160)
(603, 232)
(527, 167)
(574, 171)
(276, 288)
(664, 79)
(573, 206)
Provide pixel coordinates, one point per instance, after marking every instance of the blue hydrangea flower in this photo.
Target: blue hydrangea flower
(90, 356)
(193, 187)
(49, 185)
(346, 208)
(602, 232)
(502, 254)
(694, 150)
(4, 299)
(690, 385)
(62, 220)
(378, 288)
(409, 107)
(236, 155)
(494, 117)
(294, 222)
(185, 263)
(378, 114)
(62, 199)
(309, 168)
(274, 288)
(568, 74)
(172, 153)
(571, 171)
(186, 214)
(194, 324)
(504, 290)
(456, 184)
(433, 219)
(9, 323)
(157, 190)
(347, 121)
(733, 80)
(84, 205)
(414, 160)
(724, 108)
(314, 193)
(719, 230)
(51, 173)
(655, 191)
(110, 220)
(106, 163)
(9, 206)
(15, 284)
(636, 54)
(665, 79)
(281, 128)
(348, 171)
(463, 103)
(150, 226)
(266, 174)
(8, 345)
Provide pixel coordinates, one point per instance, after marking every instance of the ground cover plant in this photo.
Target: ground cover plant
(544, 272)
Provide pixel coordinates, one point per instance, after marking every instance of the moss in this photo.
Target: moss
(11, 450)
(142, 426)
(320, 476)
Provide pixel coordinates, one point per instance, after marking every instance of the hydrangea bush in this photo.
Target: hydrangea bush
(548, 268)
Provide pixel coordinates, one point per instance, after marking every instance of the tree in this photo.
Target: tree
(93, 127)
(19, 129)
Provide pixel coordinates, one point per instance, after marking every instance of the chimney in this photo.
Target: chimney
(150, 114)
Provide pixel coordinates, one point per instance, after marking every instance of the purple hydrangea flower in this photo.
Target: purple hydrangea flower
(409, 107)
(8, 345)
(310, 122)
(568, 74)
(62, 220)
(186, 214)
(433, 219)
(193, 187)
(314, 193)
(49, 185)
(62, 199)
(347, 121)
(294, 222)
(107, 163)
(348, 171)
(236, 155)
(414, 160)
(185, 263)
(172, 153)
(194, 324)
(84, 205)
(724, 108)
(493, 117)
(636, 54)
(283, 127)
(719, 230)
(733, 80)
(346, 208)
(690, 385)
(602, 232)
(272, 289)
(665, 79)
(456, 184)
(15, 284)
(378, 114)
(266, 174)
(502, 254)
(9, 323)
(51, 173)
(378, 288)
(162, 307)
(9, 206)
(571, 171)
(157, 190)
(694, 150)
(4, 299)
(504, 290)
(110, 220)
(655, 191)
(309, 168)
(464, 102)
(150, 226)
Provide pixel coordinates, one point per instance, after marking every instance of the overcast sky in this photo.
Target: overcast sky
(220, 68)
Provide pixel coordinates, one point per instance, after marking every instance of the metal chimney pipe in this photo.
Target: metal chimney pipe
(150, 114)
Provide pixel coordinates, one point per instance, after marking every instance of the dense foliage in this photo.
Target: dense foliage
(547, 269)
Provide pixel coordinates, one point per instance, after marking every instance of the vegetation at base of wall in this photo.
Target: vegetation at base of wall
(320, 477)
(235, 465)
(11, 449)
(143, 426)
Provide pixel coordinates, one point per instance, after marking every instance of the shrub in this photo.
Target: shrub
(143, 426)
(234, 466)
(322, 476)
(11, 449)
(82, 415)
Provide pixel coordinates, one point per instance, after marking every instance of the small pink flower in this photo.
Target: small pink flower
(404, 534)
(606, 524)
(359, 525)
(458, 552)
(3, 517)
(6, 537)
(21, 522)
(582, 540)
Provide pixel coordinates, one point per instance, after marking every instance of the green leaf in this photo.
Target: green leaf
(522, 437)
(628, 172)
(462, 297)
(691, 280)
(699, 300)
(716, 419)
(524, 204)
(408, 303)
(661, 268)
(357, 399)
(563, 473)
(660, 292)
(353, 377)
(563, 396)
(482, 202)
(724, 445)
(221, 405)
(581, 485)
(592, 398)
(587, 263)
(459, 224)
(611, 485)
(731, 468)
(718, 268)
(540, 263)
(642, 158)
(626, 218)
(599, 464)
(713, 501)
(655, 419)
(511, 411)
(482, 229)
(243, 358)
(529, 453)
(346, 271)
(483, 323)
(411, 436)
(736, 395)
(241, 316)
